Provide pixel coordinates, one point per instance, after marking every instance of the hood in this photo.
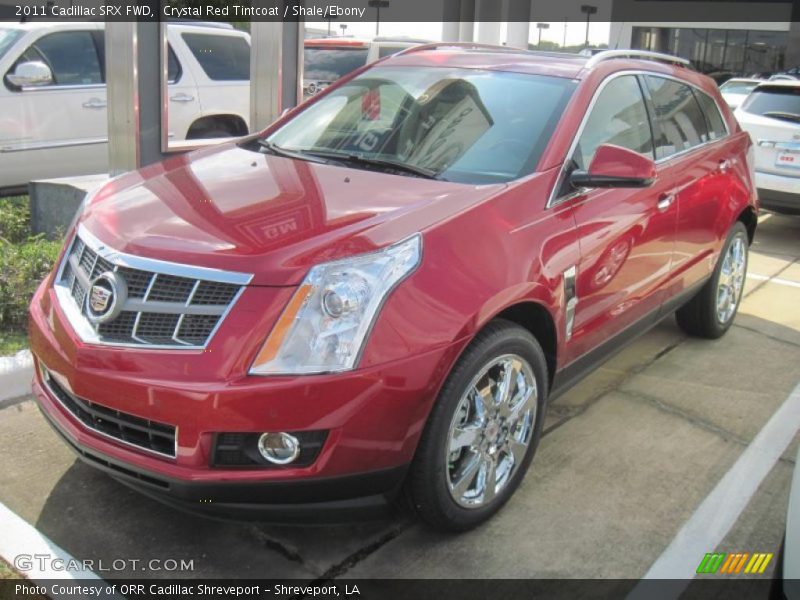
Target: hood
(233, 209)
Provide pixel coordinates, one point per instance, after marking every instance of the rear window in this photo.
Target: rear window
(716, 125)
(681, 123)
(329, 64)
(384, 51)
(778, 102)
(738, 87)
(222, 57)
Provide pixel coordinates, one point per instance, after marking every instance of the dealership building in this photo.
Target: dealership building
(756, 38)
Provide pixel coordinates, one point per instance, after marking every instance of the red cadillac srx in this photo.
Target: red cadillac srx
(376, 297)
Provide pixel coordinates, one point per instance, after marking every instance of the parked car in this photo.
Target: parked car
(786, 577)
(328, 59)
(53, 120)
(380, 293)
(771, 115)
(735, 90)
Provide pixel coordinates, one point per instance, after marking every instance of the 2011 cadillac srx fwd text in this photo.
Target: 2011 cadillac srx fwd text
(376, 297)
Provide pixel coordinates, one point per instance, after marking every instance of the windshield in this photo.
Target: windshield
(772, 101)
(329, 64)
(7, 38)
(464, 125)
(738, 87)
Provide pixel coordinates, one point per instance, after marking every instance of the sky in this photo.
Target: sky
(575, 31)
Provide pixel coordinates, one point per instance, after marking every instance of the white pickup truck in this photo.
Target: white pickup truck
(53, 119)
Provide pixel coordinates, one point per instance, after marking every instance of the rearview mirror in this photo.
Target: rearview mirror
(614, 166)
(32, 73)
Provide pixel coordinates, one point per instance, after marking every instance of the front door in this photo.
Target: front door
(63, 124)
(626, 235)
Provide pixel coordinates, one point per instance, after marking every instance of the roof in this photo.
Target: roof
(491, 58)
(790, 83)
(557, 64)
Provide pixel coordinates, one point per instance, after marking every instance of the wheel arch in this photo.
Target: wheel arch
(534, 317)
(749, 218)
(232, 122)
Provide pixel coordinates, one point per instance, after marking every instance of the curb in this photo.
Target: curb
(16, 373)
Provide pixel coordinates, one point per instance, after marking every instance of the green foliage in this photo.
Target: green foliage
(14, 219)
(25, 260)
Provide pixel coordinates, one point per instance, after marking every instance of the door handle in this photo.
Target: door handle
(181, 98)
(665, 201)
(724, 165)
(94, 103)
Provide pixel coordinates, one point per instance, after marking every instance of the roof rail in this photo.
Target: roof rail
(477, 46)
(643, 54)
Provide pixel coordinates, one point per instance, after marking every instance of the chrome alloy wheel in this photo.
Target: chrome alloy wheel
(731, 279)
(491, 430)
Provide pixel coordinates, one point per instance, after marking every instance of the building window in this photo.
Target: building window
(719, 53)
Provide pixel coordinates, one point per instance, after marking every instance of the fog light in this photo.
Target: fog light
(279, 448)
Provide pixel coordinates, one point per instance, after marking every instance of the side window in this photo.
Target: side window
(71, 55)
(618, 117)
(681, 123)
(223, 58)
(716, 125)
(174, 71)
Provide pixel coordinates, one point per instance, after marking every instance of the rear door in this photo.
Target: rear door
(695, 152)
(626, 239)
(220, 63)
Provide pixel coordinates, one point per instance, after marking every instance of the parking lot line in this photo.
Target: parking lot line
(720, 510)
(21, 543)
(777, 280)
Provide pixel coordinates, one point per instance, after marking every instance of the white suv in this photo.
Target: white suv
(53, 120)
(771, 115)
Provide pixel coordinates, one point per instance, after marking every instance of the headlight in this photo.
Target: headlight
(325, 324)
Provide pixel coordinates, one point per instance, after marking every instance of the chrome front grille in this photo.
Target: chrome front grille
(167, 305)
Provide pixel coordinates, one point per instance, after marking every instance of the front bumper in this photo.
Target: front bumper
(373, 417)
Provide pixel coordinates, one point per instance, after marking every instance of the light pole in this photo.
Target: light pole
(330, 18)
(564, 45)
(541, 26)
(589, 10)
(343, 27)
(378, 5)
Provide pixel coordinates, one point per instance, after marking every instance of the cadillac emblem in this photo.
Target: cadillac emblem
(106, 297)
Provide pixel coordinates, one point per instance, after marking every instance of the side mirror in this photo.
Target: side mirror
(32, 73)
(614, 166)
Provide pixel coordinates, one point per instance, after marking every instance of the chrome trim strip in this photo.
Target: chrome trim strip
(49, 145)
(87, 333)
(61, 88)
(44, 375)
(553, 201)
(123, 259)
(643, 54)
(571, 295)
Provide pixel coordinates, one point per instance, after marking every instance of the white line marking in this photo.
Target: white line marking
(777, 280)
(20, 537)
(720, 510)
(16, 372)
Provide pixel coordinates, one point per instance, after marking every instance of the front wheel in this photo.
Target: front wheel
(483, 430)
(710, 313)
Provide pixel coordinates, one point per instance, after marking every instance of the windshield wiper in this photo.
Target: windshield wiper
(377, 162)
(786, 116)
(278, 151)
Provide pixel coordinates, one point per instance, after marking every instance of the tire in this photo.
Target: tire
(514, 425)
(703, 316)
